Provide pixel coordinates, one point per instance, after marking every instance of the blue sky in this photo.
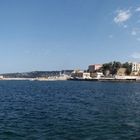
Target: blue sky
(67, 34)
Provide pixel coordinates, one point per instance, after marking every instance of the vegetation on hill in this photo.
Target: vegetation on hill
(36, 74)
(112, 67)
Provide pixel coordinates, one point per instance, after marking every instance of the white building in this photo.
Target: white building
(86, 75)
(1, 77)
(80, 74)
(99, 75)
(135, 67)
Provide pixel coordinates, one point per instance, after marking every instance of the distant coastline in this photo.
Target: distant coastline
(36, 74)
(112, 71)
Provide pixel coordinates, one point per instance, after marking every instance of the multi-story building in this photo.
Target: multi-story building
(135, 67)
(93, 68)
(78, 74)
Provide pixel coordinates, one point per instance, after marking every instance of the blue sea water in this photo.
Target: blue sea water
(69, 110)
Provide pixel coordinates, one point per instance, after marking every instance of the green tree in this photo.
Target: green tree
(112, 67)
(128, 67)
(115, 67)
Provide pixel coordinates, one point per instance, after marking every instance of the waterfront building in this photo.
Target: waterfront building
(135, 68)
(96, 74)
(93, 68)
(80, 74)
(77, 73)
(86, 75)
(1, 77)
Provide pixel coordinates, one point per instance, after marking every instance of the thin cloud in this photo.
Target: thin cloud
(135, 31)
(138, 39)
(122, 16)
(110, 36)
(137, 9)
(125, 26)
(136, 55)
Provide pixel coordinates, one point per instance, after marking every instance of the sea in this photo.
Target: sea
(69, 110)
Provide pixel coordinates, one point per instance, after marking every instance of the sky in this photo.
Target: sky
(67, 34)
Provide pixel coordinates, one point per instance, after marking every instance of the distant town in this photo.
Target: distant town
(112, 71)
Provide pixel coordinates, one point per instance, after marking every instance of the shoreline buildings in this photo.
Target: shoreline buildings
(94, 67)
(95, 71)
(112, 70)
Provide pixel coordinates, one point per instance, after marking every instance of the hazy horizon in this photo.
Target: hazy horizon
(60, 34)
